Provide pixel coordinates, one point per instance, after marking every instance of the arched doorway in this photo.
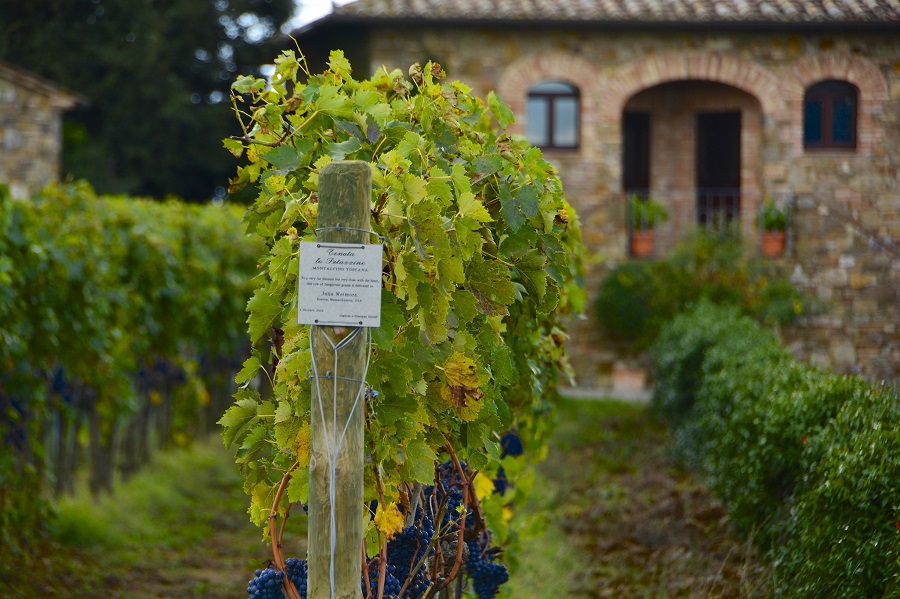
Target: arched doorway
(694, 146)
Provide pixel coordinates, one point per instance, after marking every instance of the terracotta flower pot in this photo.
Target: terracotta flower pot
(772, 243)
(642, 243)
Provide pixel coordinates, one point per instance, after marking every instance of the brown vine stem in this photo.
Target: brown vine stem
(382, 561)
(365, 572)
(287, 513)
(460, 543)
(277, 552)
(274, 144)
(480, 523)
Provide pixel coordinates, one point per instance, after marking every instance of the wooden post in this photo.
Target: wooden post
(345, 192)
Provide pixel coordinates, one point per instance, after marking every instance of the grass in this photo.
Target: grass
(161, 506)
(614, 518)
(177, 528)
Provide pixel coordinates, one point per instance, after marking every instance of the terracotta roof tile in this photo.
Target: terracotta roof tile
(651, 11)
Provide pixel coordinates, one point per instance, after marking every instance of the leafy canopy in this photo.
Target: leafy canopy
(155, 77)
(481, 265)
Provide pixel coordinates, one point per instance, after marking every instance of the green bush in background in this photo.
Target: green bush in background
(637, 298)
(806, 462)
(843, 531)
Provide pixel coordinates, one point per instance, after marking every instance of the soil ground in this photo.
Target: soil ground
(645, 527)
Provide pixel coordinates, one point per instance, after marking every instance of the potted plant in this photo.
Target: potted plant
(774, 223)
(645, 214)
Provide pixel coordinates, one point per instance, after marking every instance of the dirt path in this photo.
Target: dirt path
(649, 528)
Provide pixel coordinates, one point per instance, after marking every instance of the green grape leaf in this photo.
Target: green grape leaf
(470, 206)
(284, 157)
(500, 109)
(249, 370)
(420, 461)
(491, 285)
(332, 102)
(239, 417)
(337, 151)
(392, 319)
(263, 308)
(298, 486)
(488, 165)
(518, 208)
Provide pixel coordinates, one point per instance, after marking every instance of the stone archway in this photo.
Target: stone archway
(704, 66)
(701, 156)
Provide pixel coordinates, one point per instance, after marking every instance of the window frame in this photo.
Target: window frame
(826, 93)
(549, 99)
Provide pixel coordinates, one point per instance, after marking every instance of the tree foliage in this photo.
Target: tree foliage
(154, 74)
(481, 267)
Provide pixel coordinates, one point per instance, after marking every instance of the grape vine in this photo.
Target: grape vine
(481, 268)
(120, 329)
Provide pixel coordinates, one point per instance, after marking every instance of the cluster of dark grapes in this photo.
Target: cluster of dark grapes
(267, 584)
(392, 586)
(486, 574)
(408, 548)
(510, 444)
(447, 490)
(408, 551)
(297, 572)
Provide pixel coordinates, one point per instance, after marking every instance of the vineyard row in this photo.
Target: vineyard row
(121, 325)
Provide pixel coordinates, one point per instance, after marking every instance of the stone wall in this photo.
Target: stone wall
(847, 203)
(30, 131)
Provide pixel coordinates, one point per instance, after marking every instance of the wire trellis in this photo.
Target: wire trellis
(333, 449)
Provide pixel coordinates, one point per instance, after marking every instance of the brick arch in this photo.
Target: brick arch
(677, 66)
(865, 75)
(569, 67)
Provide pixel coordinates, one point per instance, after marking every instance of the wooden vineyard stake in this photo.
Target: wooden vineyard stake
(337, 418)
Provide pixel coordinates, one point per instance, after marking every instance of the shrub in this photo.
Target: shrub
(755, 417)
(805, 462)
(844, 531)
(679, 353)
(636, 298)
(623, 303)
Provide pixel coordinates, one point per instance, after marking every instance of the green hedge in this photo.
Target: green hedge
(807, 463)
(118, 318)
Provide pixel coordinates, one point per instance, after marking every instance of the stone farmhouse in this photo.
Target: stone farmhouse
(711, 107)
(31, 110)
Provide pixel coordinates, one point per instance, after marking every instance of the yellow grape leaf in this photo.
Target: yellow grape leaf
(461, 390)
(389, 520)
(302, 444)
(484, 486)
(460, 370)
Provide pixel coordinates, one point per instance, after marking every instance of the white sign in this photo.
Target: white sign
(340, 284)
